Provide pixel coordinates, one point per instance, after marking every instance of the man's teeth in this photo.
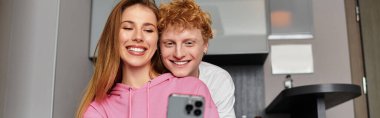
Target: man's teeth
(180, 62)
(136, 49)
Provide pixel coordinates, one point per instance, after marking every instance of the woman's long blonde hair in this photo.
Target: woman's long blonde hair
(107, 64)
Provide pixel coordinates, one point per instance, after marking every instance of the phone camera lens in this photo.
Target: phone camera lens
(197, 112)
(198, 103)
(188, 108)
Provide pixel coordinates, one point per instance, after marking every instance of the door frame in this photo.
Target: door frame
(356, 56)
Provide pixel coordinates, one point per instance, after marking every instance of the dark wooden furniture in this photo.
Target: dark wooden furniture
(311, 101)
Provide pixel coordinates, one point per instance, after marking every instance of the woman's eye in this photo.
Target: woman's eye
(127, 28)
(149, 31)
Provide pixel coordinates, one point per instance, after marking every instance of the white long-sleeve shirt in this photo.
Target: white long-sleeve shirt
(221, 87)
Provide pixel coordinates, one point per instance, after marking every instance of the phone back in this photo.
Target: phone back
(185, 106)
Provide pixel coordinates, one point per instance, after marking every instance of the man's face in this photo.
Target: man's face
(182, 50)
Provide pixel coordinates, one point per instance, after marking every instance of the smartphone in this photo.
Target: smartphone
(185, 106)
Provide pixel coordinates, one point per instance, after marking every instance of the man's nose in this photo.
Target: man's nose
(179, 52)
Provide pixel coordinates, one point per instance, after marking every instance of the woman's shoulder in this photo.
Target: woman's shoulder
(187, 79)
(94, 110)
(186, 82)
(190, 79)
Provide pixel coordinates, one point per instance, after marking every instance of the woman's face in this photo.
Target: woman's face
(138, 36)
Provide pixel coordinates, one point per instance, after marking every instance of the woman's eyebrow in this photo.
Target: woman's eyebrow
(145, 24)
(128, 21)
(149, 24)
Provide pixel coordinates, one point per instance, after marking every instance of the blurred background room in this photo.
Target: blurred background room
(46, 48)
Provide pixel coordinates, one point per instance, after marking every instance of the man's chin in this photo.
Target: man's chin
(179, 74)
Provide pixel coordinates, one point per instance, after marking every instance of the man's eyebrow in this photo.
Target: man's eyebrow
(167, 39)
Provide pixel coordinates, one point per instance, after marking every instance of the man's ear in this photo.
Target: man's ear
(205, 48)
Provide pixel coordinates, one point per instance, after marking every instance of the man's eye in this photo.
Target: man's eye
(189, 43)
(169, 44)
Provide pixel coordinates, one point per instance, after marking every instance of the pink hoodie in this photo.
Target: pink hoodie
(151, 100)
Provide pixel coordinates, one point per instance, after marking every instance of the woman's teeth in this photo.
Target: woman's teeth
(136, 49)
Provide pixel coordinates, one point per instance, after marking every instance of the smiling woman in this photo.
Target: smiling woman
(138, 39)
(128, 75)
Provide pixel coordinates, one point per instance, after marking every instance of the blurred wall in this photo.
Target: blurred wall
(44, 57)
(73, 67)
(31, 59)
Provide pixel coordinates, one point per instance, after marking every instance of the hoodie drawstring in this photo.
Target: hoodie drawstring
(148, 99)
(130, 103)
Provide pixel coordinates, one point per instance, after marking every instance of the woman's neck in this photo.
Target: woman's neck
(135, 77)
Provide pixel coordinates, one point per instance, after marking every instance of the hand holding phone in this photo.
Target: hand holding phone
(185, 106)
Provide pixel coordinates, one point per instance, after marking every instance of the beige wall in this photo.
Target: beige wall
(330, 54)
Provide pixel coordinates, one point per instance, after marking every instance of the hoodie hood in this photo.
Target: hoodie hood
(150, 100)
(121, 89)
